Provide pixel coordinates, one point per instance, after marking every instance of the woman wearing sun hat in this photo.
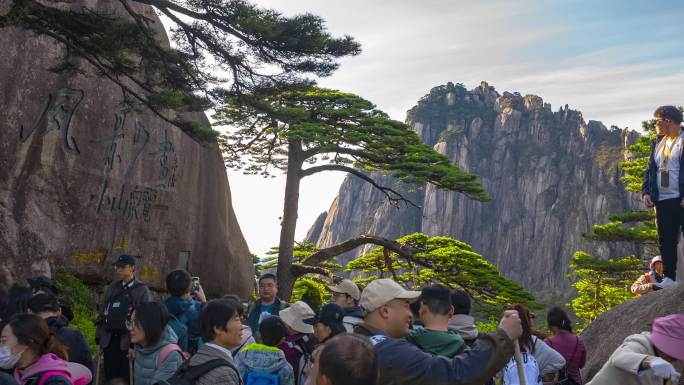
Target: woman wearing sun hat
(647, 358)
(299, 344)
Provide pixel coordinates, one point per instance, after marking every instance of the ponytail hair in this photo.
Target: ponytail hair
(34, 332)
(559, 318)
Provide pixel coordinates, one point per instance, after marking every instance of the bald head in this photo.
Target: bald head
(347, 359)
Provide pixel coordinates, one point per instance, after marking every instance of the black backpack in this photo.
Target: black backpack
(119, 309)
(187, 375)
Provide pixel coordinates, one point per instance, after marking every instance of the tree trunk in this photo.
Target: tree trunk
(288, 223)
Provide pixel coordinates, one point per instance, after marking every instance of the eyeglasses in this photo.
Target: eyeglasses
(130, 324)
(662, 120)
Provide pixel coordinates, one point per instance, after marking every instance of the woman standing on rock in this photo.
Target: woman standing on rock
(157, 355)
(570, 346)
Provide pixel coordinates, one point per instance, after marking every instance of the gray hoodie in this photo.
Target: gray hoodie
(464, 325)
(146, 371)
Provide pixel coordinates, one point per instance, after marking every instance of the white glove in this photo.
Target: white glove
(664, 369)
(667, 281)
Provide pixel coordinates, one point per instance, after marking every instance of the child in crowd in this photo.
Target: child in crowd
(265, 359)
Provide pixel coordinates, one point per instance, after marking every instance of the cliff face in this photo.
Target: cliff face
(83, 179)
(550, 175)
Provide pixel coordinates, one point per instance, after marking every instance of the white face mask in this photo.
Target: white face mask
(7, 359)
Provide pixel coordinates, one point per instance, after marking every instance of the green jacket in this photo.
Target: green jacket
(445, 344)
(401, 363)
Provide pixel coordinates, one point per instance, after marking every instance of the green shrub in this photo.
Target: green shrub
(77, 295)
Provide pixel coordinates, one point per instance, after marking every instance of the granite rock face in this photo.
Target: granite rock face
(550, 176)
(83, 179)
(607, 332)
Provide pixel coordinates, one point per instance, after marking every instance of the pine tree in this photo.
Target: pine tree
(601, 283)
(446, 261)
(310, 130)
(253, 47)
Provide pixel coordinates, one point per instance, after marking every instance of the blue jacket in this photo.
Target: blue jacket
(146, 369)
(402, 363)
(650, 180)
(262, 358)
(188, 310)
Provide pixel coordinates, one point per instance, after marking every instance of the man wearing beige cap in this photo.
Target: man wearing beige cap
(346, 295)
(387, 322)
(299, 344)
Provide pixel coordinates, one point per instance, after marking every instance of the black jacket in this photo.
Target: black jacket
(402, 363)
(139, 293)
(7, 379)
(650, 180)
(74, 340)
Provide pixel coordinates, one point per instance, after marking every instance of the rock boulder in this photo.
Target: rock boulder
(608, 331)
(83, 179)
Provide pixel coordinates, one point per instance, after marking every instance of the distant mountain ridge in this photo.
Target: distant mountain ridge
(551, 176)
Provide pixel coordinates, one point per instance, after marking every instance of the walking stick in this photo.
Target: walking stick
(130, 372)
(517, 354)
(97, 370)
(519, 364)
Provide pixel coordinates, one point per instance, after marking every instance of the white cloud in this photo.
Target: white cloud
(411, 46)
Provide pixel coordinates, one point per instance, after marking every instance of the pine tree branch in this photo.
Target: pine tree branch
(404, 251)
(300, 270)
(392, 195)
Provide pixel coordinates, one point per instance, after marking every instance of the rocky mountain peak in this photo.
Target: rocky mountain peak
(550, 174)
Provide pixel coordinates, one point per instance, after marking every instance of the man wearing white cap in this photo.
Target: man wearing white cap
(400, 362)
(346, 295)
(299, 344)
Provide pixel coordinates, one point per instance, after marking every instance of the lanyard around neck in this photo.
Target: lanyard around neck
(667, 151)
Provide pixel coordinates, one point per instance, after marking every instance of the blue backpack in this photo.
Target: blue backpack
(261, 378)
(180, 327)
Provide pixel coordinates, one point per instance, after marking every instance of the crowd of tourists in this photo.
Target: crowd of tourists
(383, 334)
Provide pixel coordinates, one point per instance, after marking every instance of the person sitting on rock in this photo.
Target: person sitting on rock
(653, 280)
(647, 358)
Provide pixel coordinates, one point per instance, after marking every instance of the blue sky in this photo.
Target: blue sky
(615, 61)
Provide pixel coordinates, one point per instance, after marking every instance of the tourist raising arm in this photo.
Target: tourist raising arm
(402, 363)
